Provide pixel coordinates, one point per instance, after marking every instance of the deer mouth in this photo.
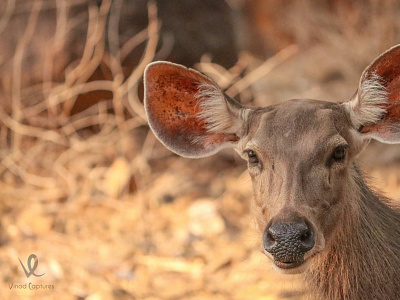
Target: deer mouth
(288, 265)
(293, 267)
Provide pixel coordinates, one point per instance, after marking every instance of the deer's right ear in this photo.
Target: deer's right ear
(189, 113)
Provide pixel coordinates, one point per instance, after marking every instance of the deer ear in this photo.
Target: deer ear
(375, 108)
(188, 112)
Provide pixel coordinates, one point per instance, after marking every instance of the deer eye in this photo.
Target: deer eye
(339, 154)
(253, 159)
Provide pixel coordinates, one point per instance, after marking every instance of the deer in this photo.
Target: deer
(314, 210)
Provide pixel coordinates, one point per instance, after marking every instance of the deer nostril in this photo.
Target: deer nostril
(305, 236)
(269, 239)
(307, 240)
(270, 236)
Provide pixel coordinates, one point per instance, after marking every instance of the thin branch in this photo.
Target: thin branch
(17, 69)
(262, 70)
(148, 55)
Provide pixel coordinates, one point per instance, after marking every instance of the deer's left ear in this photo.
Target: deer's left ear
(375, 108)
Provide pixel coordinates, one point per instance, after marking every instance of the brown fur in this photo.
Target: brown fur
(362, 260)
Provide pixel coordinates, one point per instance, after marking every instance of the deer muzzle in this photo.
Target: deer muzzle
(288, 242)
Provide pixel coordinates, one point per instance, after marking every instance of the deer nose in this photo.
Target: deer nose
(288, 242)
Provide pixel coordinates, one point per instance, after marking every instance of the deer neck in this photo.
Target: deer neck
(363, 252)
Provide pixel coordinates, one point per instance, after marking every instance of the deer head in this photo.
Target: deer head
(300, 153)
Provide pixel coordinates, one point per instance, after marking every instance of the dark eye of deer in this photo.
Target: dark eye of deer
(253, 159)
(339, 153)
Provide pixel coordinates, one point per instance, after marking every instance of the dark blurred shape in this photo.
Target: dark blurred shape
(168, 198)
(189, 29)
(197, 27)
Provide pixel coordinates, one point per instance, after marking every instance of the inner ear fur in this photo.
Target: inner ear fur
(375, 108)
(188, 112)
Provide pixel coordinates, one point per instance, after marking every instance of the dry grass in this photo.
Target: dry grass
(108, 211)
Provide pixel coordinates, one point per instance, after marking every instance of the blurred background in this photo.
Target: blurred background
(84, 185)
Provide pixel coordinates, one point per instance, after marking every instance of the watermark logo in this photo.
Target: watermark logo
(30, 267)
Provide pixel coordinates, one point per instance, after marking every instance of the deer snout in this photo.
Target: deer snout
(288, 242)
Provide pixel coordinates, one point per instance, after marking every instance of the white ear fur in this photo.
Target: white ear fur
(368, 104)
(217, 111)
(220, 114)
